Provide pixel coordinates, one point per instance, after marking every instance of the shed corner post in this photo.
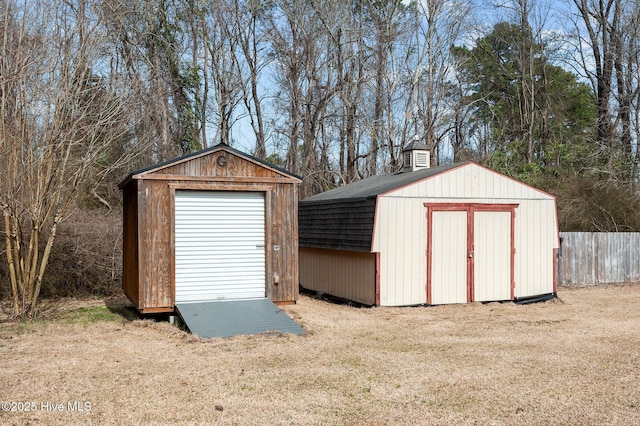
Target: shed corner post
(377, 284)
(429, 218)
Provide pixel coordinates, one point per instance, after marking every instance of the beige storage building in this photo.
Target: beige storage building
(452, 234)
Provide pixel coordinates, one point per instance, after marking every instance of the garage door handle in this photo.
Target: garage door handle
(259, 245)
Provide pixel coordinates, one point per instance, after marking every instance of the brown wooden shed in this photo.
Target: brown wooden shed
(217, 224)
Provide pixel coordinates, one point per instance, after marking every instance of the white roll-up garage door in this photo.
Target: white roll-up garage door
(219, 245)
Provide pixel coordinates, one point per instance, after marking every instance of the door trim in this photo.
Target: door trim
(470, 208)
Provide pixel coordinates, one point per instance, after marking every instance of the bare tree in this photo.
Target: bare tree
(58, 116)
(287, 44)
(152, 58)
(385, 18)
(607, 37)
(306, 87)
(197, 71)
(222, 44)
(437, 25)
(249, 18)
(351, 62)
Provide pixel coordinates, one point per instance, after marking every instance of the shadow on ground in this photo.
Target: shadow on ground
(123, 307)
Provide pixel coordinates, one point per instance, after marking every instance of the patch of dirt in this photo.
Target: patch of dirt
(574, 360)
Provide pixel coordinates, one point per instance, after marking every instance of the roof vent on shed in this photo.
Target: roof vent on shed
(415, 156)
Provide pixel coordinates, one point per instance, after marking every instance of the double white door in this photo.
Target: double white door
(470, 254)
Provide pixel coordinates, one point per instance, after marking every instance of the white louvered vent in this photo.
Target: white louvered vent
(407, 159)
(422, 159)
(415, 156)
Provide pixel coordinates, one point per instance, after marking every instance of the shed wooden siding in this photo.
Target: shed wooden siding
(347, 274)
(149, 275)
(536, 237)
(400, 238)
(130, 242)
(401, 230)
(155, 230)
(284, 233)
(211, 168)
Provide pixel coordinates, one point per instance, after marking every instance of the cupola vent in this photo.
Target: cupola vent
(415, 156)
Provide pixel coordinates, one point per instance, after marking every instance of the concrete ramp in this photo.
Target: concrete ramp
(233, 317)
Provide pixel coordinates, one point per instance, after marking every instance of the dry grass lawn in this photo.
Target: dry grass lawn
(573, 360)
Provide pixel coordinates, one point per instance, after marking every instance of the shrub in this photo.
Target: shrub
(86, 257)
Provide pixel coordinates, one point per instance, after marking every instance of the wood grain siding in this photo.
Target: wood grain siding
(156, 245)
(599, 257)
(220, 164)
(347, 274)
(149, 254)
(130, 281)
(284, 236)
(344, 224)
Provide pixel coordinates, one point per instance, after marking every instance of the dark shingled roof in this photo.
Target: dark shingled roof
(345, 224)
(343, 218)
(415, 145)
(376, 185)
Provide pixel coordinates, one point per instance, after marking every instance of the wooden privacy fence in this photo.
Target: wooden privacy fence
(598, 257)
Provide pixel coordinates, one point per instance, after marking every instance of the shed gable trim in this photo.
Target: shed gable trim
(147, 171)
(376, 185)
(533, 188)
(461, 166)
(400, 187)
(250, 179)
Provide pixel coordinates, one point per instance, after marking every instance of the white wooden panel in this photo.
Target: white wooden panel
(472, 181)
(449, 257)
(401, 241)
(402, 274)
(492, 258)
(219, 245)
(536, 235)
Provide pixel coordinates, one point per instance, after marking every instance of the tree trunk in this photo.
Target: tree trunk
(11, 260)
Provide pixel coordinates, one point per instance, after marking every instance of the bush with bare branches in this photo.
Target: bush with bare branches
(60, 116)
